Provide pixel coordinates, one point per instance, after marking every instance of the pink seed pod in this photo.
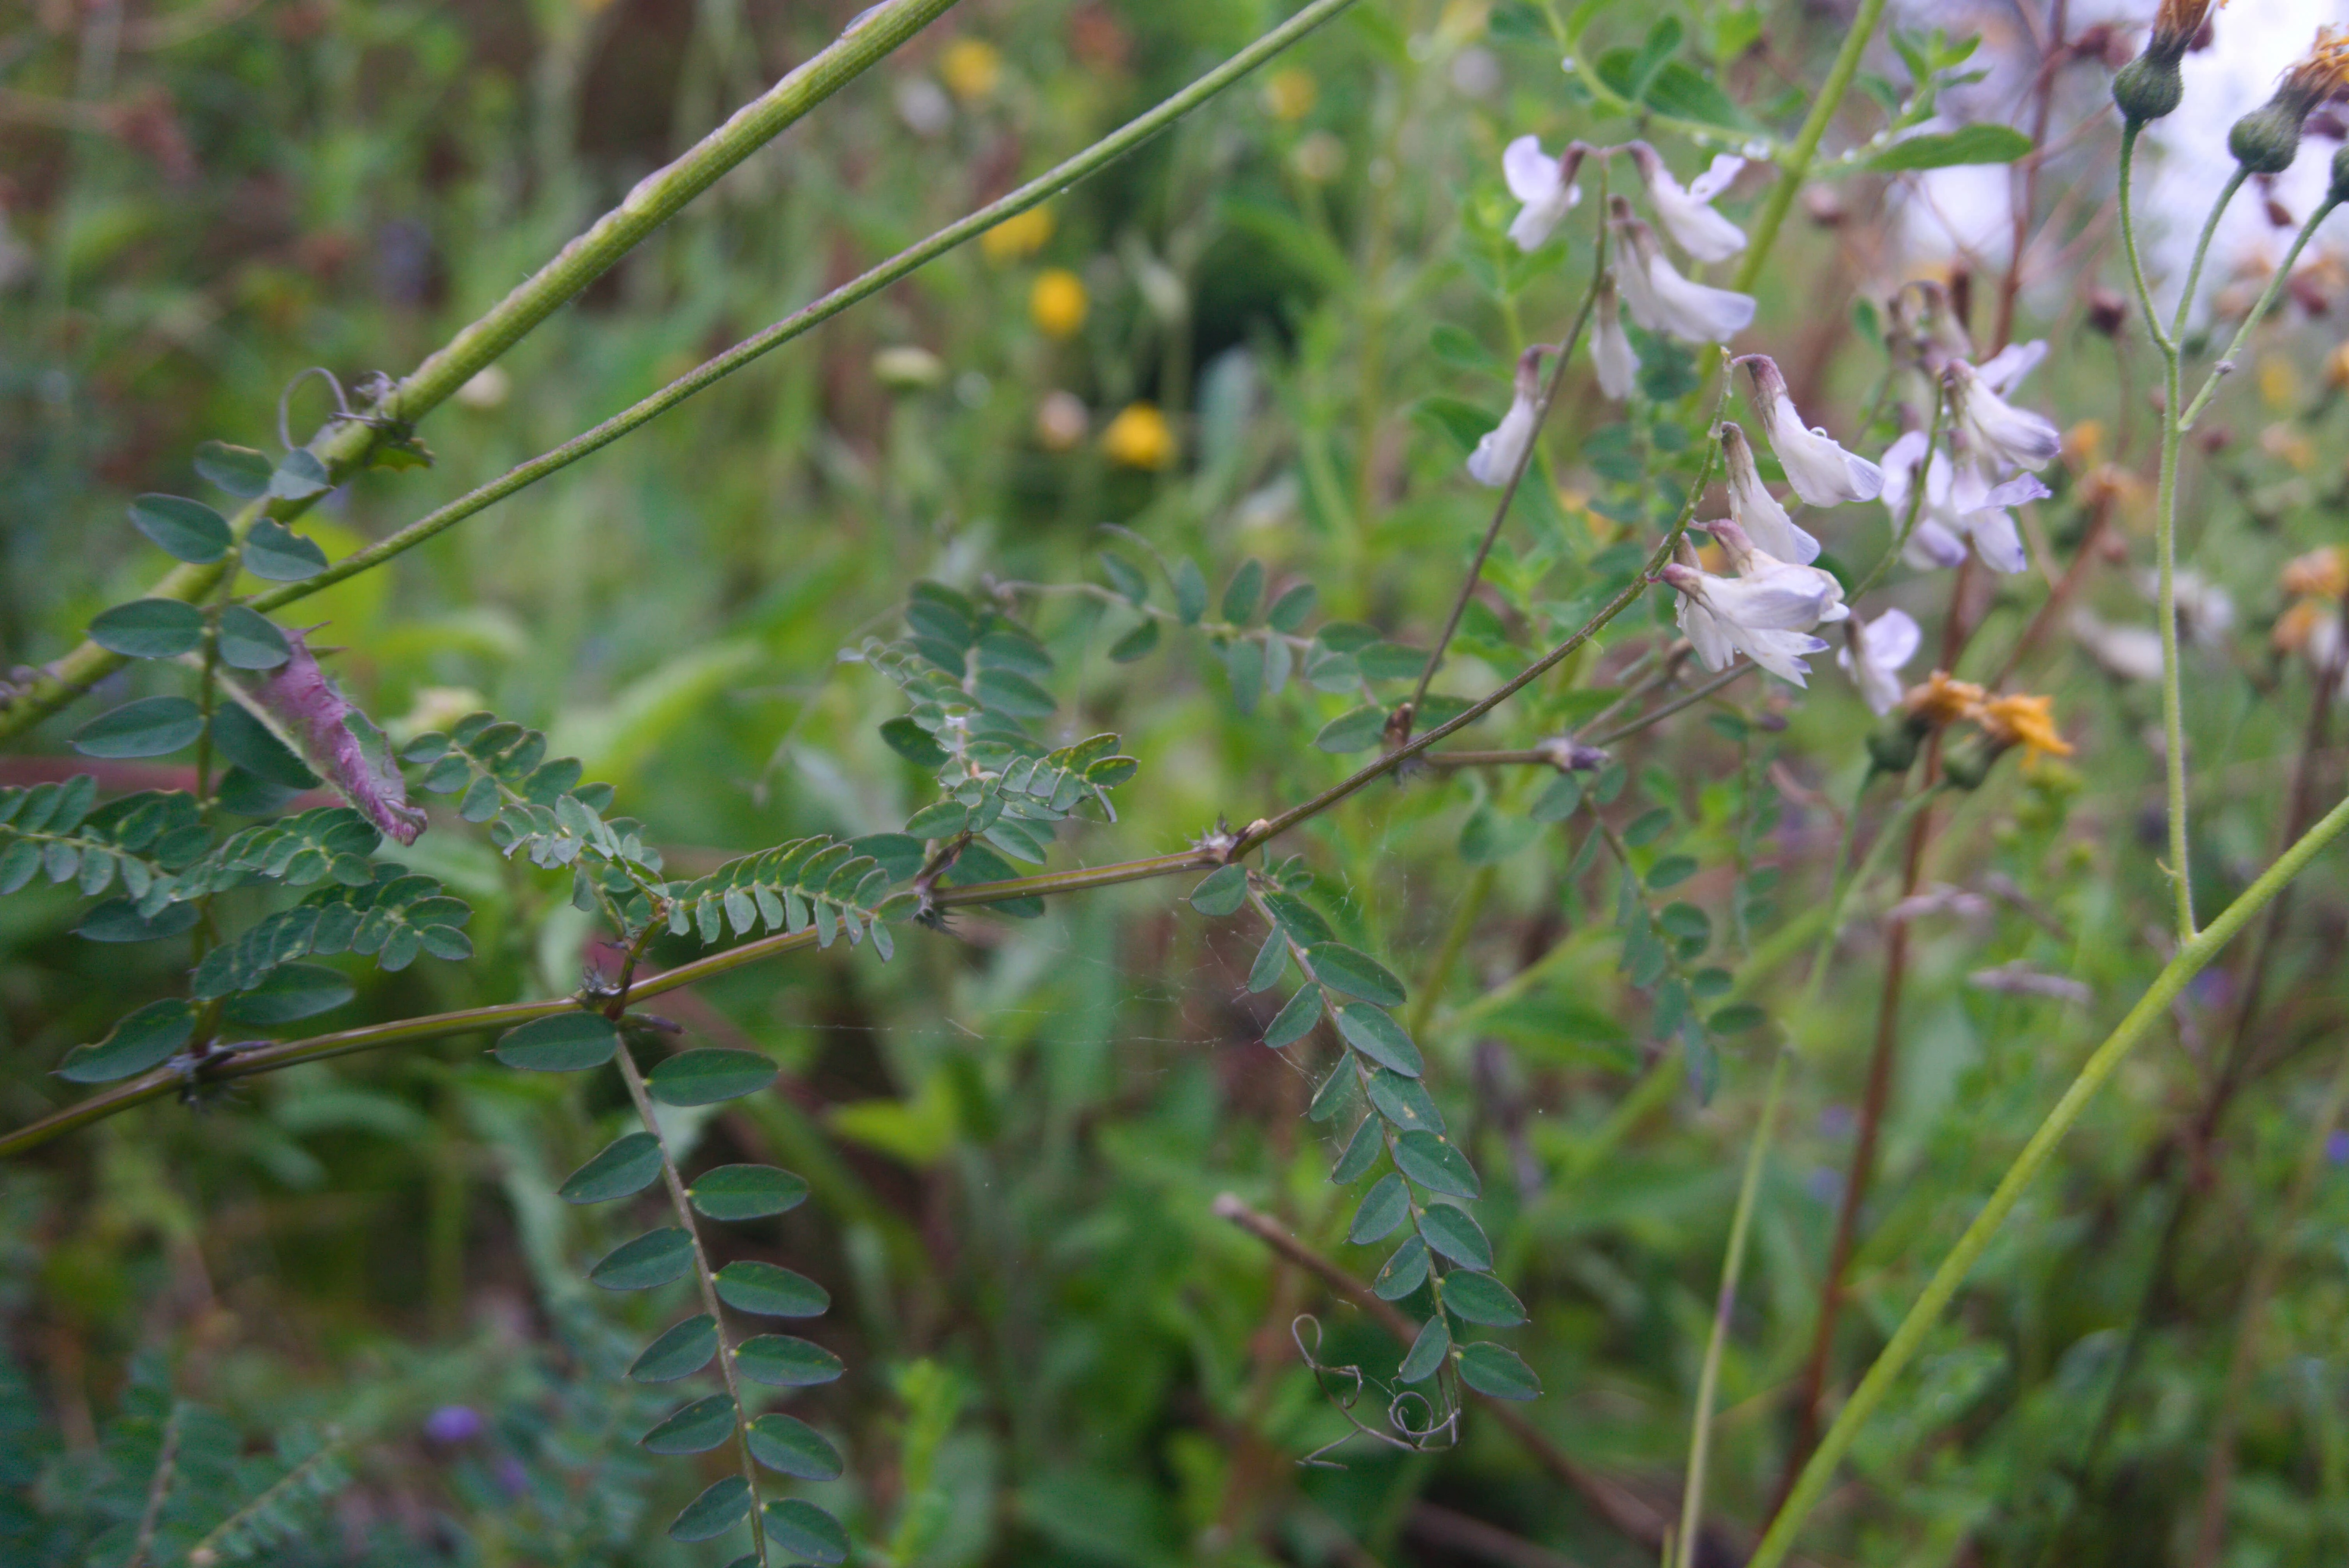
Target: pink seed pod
(339, 741)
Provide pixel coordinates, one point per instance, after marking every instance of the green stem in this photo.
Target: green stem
(1050, 183)
(2202, 253)
(1911, 1337)
(1797, 166)
(2276, 280)
(2173, 704)
(1708, 1381)
(344, 446)
(2128, 243)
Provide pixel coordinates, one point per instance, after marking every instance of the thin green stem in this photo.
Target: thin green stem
(344, 446)
(1045, 186)
(2276, 280)
(2173, 704)
(2202, 253)
(1795, 167)
(1910, 1337)
(2128, 243)
(1688, 699)
(1525, 458)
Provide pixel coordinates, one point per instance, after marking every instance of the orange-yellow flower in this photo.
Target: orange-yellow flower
(971, 67)
(2323, 573)
(1057, 304)
(1020, 235)
(1941, 701)
(2025, 721)
(1140, 438)
(2324, 71)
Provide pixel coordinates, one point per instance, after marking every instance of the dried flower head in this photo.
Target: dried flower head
(1943, 701)
(2149, 86)
(2267, 139)
(2323, 573)
(2025, 721)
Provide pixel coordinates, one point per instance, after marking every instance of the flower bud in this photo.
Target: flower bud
(2267, 139)
(1966, 767)
(2147, 87)
(1892, 745)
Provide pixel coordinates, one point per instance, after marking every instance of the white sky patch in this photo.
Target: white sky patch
(2182, 161)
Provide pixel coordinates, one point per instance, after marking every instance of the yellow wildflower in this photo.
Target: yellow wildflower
(972, 69)
(1941, 700)
(2321, 572)
(1057, 304)
(1140, 438)
(1290, 94)
(1020, 235)
(2025, 721)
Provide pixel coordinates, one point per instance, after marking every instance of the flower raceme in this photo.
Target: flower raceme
(1822, 472)
(1755, 510)
(1496, 459)
(1660, 299)
(1765, 612)
(1544, 184)
(1687, 212)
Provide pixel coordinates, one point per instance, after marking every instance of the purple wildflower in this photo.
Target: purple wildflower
(2336, 1146)
(339, 741)
(453, 1424)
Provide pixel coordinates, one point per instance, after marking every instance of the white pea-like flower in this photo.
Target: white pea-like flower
(1873, 653)
(1687, 211)
(1765, 612)
(1660, 300)
(1959, 507)
(2125, 653)
(1503, 448)
(1544, 184)
(1611, 347)
(1755, 510)
(1821, 471)
(1991, 431)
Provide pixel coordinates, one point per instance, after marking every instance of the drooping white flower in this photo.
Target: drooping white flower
(1957, 508)
(1660, 300)
(1822, 472)
(1545, 184)
(1494, 461)
(1874, 652)
(1687, 213)
(1611, 347)
(1758, 511)
(2003, 372)
(1990, 431)
(1765, 612)
(2130, 653)
(2206, 612)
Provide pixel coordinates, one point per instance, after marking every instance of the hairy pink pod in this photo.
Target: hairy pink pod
(339, 741)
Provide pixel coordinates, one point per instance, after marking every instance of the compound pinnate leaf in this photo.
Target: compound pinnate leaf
(1190, 591)
(1224, 891)
(1271, 964)
(1352, 973)
(1296, 1020)
(1481, 1298)
(790, 1446)
(1404, 1272)
(144, 1039)
(1352, 731)
(1124, 577)
(1289, 612)
(275, 551)
(255, 748)
(1374, 1033)
(248, 642)
(745, 1192)
(628, 1165)
(805, 1531)
(696, 1429)
(1435, 1164)
(1135, 644)
(240, 471)
(781, 1361)
(1363, 1151)
(719, 1508)
(1426, 1353)
(152, 726)
(679, 1353)
(118, 920)
(560, 1043)
(710, 1076)
(1497, 1370)
(293, 991)
(654, 1258)
(1383, 1207)
(770, 1291)
(149, 629)
(1456, 1234)
(186, 529)
(1405, 1101)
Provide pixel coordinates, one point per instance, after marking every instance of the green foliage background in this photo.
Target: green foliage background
(1015, 1131)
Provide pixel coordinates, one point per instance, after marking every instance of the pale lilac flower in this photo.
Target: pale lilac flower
(1660, 300)
(1822, 472)
(1611, 347)
(1545, 184)
(1494, 461)
(1991, 431)
(1874, 652)
(1765, 612)
(2004, 371)
(1687, 213)
(2128, 652)
(1952, 514)
(338, 741)
(1755, 510)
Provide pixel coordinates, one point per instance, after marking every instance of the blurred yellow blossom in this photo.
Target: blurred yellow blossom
(1140, 438)
(1290, 94)
(2321, 572)
(2278, 382)
(1940, 700)
(2336, 367)
(2025, 721)
(2083, 444)
(1021, 234)
(972, 69)
(1057, 304)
